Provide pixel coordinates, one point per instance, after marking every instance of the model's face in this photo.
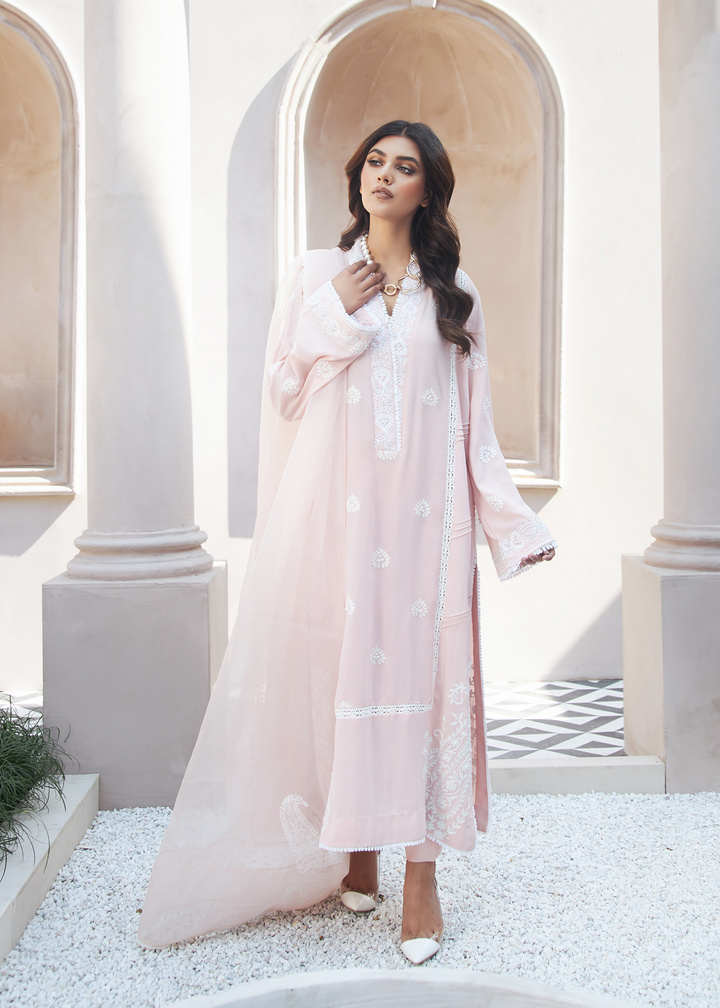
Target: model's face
(392, 183)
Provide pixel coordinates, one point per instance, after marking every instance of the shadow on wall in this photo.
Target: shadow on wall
(597, 653)
(251, 292)
(23, 520)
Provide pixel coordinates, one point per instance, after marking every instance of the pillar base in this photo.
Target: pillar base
(128, 671)
(671, 644)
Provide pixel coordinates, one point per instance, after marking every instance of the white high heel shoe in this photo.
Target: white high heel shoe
(419, 950)
(357, 901)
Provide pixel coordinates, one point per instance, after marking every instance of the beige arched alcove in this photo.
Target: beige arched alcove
(37, 239)
(481, 83)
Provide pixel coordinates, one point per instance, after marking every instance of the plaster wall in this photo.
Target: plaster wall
(565, 620)
(37, 529)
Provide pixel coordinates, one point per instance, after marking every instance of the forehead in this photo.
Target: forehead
(397, 146)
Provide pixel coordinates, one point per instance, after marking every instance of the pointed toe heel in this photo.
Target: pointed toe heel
(419, 950)
(357, 901)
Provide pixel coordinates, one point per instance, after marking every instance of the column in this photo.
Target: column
(134, 628)
(671, 597)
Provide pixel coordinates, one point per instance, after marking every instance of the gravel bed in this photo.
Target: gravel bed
(618, 894)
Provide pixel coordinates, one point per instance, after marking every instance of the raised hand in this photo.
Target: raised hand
(357, 284)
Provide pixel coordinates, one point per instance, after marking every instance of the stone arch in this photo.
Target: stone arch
(475, 76)
(38, 201)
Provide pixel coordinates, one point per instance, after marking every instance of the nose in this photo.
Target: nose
(383, 175)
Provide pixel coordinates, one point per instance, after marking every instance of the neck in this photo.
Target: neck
(389, 241)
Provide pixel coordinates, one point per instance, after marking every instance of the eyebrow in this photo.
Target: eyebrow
(399, 157)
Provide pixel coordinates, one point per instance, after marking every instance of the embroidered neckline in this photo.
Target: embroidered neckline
(388, 361)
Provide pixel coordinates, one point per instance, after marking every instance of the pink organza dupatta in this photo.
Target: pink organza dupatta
(243, 837)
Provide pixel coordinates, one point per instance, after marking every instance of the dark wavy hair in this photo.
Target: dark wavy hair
(434, 236)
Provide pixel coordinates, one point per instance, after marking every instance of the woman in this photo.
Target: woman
(346, 718)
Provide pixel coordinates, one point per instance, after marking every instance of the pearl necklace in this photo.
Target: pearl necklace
(392, 289)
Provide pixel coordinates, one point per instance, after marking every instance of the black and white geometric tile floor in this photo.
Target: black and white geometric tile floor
(580, 717)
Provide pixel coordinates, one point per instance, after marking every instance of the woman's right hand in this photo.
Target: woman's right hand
(357, 284)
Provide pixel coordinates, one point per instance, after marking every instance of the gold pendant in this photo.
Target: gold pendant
(390, 289)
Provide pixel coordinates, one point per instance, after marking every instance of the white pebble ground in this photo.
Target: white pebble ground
(618, 894)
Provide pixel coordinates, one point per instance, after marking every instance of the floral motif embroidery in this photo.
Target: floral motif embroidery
(430, 397)
(476, 360)
(380, 558)
(486, 403)
(352, 503)
(325, 369)
(352, 395)
(419, 608)
(495, 502)
(388, 359)
(291, 386)
(448, 777)
(459, 692)
(422, 508)
(486, 452)
(349, 606)
(273, 368)
(329, 311)
(531, 532)
(377, 656)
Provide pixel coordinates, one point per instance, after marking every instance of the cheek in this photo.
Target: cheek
(414, 188)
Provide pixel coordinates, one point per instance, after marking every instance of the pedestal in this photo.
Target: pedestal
(128, 671)
(671, 642)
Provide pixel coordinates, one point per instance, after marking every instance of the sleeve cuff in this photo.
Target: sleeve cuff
(347, 331)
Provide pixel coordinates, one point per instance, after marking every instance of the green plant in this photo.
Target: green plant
(31, 769)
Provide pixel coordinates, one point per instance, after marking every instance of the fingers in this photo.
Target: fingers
(361, 269)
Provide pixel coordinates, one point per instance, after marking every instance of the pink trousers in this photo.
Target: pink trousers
(428, 850)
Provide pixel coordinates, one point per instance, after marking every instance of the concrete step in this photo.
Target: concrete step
(578, 774)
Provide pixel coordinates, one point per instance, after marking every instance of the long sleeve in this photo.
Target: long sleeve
(512, 529)
(319, 341)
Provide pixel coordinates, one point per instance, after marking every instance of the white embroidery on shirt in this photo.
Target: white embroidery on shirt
(448, 778)
(449, 509)
(419, 608)
(459, 692)
(486, 452)
(380, 558)
(486, 403)
(349, 606)
(352, 503)
(422, 508)
(346, 710)
(388, 360)
(329, 311)
(325, 369)
(377, 656)
(495, 502)
(515, 546)
(291, 386)
(476, 360)
(352, 395)
(273, 368)
(430, 397)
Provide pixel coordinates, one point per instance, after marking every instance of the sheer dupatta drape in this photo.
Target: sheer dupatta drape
(243, 837)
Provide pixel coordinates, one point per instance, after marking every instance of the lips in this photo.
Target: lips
(383, 192)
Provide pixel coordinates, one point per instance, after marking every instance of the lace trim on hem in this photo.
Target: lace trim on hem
(381, 710)
(379, 847)
(516, 570)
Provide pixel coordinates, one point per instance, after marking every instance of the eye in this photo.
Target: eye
(406, 170)
(373, 161)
